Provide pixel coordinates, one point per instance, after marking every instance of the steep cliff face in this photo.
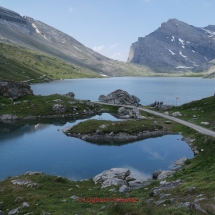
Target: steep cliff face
(175, 46)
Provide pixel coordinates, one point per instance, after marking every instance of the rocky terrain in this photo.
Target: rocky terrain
(175, 46)
(36, 35)
(14, 90)
(119, 97)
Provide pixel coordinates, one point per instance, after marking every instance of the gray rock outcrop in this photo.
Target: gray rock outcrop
(138, 183)
(161, 174)
(59, 108)
(175, 46)
(175, 114)
(14, 211)
(69, 95)
(8, 117)
(119, 97)
(114, 176)
(205, 123)
(180, 162)
(25, 205)
(14, 90)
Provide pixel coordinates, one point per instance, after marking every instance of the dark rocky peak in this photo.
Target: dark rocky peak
(175, 46)
(11, 16)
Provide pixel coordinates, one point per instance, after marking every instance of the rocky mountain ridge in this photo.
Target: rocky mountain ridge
(27, 32)
(175, 46)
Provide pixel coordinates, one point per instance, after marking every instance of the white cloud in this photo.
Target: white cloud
(98, 48)
(71, 9)
(113, 46)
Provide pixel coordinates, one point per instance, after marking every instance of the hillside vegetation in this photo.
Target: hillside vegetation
(198, 111)
(21, 64)
(57, 195)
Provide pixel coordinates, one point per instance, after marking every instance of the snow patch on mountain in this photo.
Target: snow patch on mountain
(38, 31)
(210, 33)
(171, 52)
(181, 41)
(183, 55)
(77, 48)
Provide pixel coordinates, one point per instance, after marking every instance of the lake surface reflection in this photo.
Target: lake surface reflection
(41, 147)
(148, 89)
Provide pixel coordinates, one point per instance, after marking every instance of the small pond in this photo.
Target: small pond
(44, 147)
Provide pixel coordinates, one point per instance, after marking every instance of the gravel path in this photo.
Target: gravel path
(191, 125)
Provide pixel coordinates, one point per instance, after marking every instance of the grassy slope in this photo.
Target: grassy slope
(41, 106)
(131, 127)
(199, 172)
(198, 111)
(21, 64)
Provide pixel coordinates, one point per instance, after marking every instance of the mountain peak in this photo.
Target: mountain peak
(174, 46)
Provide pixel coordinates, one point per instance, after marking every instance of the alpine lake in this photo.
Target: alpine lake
(45, 148)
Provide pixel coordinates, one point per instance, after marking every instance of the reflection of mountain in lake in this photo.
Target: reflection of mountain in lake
(13, 129)
(43, 147)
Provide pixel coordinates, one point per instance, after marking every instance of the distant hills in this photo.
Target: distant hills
(35, 35)
(175, 46)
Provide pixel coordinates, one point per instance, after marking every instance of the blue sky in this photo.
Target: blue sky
(111, 26)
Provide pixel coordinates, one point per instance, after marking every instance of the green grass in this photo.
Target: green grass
(42, 106)
(203, 109)
(21, 64)
(198, 172)
(129, 126)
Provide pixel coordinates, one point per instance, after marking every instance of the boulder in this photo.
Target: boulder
(175, 114)
(14, 90)
(156, 173)
(14, 211)
(57, 100)
(8, 117)
(138, 183)
(25, 205)
(119, 97)
(180, 161)
(165, 173)
(113, 181)
(132, 113)
(114, 176)
(69, 95)
(122, 111)
(59, 108)
(205, 123)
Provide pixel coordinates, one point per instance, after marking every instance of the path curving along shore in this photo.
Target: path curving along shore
(191, 125)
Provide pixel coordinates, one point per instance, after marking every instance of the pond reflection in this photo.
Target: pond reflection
(42, 146)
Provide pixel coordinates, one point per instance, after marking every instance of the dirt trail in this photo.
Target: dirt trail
(191, 125)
